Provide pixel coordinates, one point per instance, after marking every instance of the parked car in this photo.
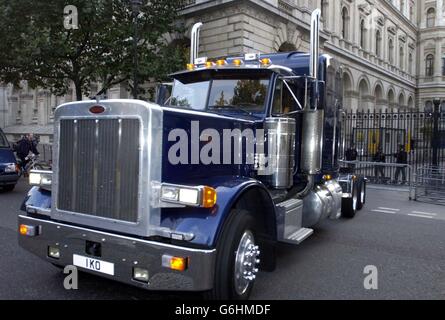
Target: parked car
(8, 165)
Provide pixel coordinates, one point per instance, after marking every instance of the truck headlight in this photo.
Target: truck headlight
(10, 168)
(201, 196)
(40, 178)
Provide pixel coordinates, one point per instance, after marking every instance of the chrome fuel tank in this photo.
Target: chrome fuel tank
(281, 151)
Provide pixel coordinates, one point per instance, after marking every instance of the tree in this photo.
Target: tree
(249, 92)
(35, 46)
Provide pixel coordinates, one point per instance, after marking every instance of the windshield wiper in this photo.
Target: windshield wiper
(230, 108)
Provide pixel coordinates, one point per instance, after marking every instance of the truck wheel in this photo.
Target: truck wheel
(236, 258)
(349, 205)
(361, 200)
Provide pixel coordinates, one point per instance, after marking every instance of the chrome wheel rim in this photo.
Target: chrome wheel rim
(246, 262)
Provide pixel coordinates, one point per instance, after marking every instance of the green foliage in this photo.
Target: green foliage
(250, 92)
(35, 45)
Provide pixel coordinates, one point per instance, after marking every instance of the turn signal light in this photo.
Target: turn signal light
(23, 229)
(30, 231)
(175, 263)
(179, 264)
(208, 197)
(327, 177)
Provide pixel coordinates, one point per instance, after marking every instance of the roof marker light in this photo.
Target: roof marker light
(265, 62)
(221, 63)
(237, 62)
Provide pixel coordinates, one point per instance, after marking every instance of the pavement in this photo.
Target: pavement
(403, 239)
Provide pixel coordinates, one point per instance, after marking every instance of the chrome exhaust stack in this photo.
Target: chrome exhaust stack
(194, 47)
(315, 44)
(313, 119)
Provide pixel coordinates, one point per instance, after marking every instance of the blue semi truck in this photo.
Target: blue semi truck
(194, 193)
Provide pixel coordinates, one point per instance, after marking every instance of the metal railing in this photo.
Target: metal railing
(421, 134)
(429, 185)
(376, 172)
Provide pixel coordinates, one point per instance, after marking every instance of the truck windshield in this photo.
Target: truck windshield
(222, 95)
(3, 141)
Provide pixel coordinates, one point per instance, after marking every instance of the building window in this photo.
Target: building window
(429, 106)
(402, 58)
(430, 18)
(410, 63)
(362, 34)
(378, 44)
(322, 9)
(402, 6)
(345, 23)
(429, 65)
(411, 12)
(391, 51)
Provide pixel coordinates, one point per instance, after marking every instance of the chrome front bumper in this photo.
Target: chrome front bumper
(125, 253)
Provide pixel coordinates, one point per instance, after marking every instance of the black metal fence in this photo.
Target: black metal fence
(420, 134)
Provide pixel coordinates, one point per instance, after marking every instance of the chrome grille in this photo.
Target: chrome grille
(99, 168)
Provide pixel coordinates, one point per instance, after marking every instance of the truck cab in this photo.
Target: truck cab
(194, 193)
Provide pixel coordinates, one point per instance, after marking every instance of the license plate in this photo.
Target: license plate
(93, 264)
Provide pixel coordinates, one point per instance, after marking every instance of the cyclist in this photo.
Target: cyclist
(24, 147)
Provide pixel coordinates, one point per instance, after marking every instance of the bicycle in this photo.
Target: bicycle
(32, 164)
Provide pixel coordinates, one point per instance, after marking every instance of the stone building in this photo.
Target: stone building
(392, 52)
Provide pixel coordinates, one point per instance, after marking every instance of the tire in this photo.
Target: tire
(236, 242)
(9, 188)
(361, 196)
(349, 205)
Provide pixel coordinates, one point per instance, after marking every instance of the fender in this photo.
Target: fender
(37, 198)
(206, 224)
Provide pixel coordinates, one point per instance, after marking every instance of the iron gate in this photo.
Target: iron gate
(420, 134)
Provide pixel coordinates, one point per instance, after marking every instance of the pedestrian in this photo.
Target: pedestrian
(401, 159)
(24, 147)
(379, 170)
(351, 155)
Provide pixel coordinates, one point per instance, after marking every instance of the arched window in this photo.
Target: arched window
(401, 58)
(391, 51)
(362, 34)
(429, 106)
(345, 23)
(429, 65)
(378, 44)
(431, 18)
